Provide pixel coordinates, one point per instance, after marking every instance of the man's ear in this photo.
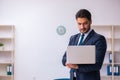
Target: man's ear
(91, 22)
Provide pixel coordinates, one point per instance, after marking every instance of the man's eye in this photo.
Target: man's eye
(86, 23)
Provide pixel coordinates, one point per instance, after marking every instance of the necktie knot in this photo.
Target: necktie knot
(81, 40)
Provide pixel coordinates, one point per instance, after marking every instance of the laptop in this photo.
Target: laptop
(84, 54)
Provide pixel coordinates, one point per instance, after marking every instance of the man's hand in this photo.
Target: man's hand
(74, 66)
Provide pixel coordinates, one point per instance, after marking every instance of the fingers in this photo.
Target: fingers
(75, 66)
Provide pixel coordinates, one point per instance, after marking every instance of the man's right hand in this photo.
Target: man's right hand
(74, 66)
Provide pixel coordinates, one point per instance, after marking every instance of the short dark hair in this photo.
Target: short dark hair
(83, 13)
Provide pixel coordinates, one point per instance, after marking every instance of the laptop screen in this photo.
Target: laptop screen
(84, 54)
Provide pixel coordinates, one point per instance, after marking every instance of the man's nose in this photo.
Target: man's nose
(82, 25)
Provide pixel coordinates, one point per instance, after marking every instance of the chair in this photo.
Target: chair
(62, 79)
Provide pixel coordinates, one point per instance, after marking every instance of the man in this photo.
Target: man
(86, 71)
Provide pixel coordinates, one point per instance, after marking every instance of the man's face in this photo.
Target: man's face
(83, 25)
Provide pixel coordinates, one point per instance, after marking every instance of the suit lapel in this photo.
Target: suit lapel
(77, 39)
(88, 37)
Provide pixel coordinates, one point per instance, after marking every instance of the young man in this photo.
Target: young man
(86, 71)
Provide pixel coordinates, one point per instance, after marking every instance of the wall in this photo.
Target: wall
(39, 48)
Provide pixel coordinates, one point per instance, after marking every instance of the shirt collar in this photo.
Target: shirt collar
(86, 33)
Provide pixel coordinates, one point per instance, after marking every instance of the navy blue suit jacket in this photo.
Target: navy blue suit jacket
(89, 71)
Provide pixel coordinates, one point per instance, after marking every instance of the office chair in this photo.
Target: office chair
(62, 79)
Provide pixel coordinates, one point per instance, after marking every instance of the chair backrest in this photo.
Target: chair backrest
(62, 79)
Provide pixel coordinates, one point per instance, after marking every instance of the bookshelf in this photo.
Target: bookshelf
(7, 52)
(112, 57)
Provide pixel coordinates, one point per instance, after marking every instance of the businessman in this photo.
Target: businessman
(89, 37)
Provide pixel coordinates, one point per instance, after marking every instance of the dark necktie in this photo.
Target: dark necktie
(80, 43)
(81, 40)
